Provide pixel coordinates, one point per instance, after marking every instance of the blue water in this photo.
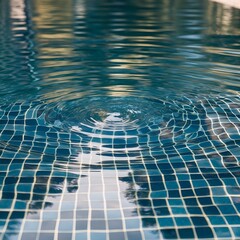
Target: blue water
(119, 120)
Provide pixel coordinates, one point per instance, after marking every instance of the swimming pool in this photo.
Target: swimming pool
(119, 120)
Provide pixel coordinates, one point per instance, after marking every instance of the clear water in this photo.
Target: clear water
(119, 120)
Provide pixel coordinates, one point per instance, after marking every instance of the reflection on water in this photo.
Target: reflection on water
(231, 3)
(102, 136)
(35, 166)
(103, 45)
(226, 21)
(17, 10)
(107, 44)
(16, 53)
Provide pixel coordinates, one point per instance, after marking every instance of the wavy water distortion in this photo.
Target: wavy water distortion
(178, 163)
(119, 120)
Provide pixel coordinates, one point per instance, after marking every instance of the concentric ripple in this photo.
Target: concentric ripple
(132, 127)
(108, 113)
(119, 120)
(151, 144)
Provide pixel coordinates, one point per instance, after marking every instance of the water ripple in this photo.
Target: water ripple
(119, 112)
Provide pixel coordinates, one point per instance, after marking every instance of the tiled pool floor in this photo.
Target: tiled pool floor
(175, 179)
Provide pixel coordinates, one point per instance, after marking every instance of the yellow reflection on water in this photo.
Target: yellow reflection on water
(119, 90)
(53, 34)
(51, 23)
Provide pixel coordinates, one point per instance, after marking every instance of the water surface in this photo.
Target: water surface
(119, 119)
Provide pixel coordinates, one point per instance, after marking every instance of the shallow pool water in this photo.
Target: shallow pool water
(119, 120)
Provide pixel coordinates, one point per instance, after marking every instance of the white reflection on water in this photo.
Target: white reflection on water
(232, 3)
(17, 9)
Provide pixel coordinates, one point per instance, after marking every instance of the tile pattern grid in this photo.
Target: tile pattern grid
(176, 180)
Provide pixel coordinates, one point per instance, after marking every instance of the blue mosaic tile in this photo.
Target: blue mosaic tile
(114, 186)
